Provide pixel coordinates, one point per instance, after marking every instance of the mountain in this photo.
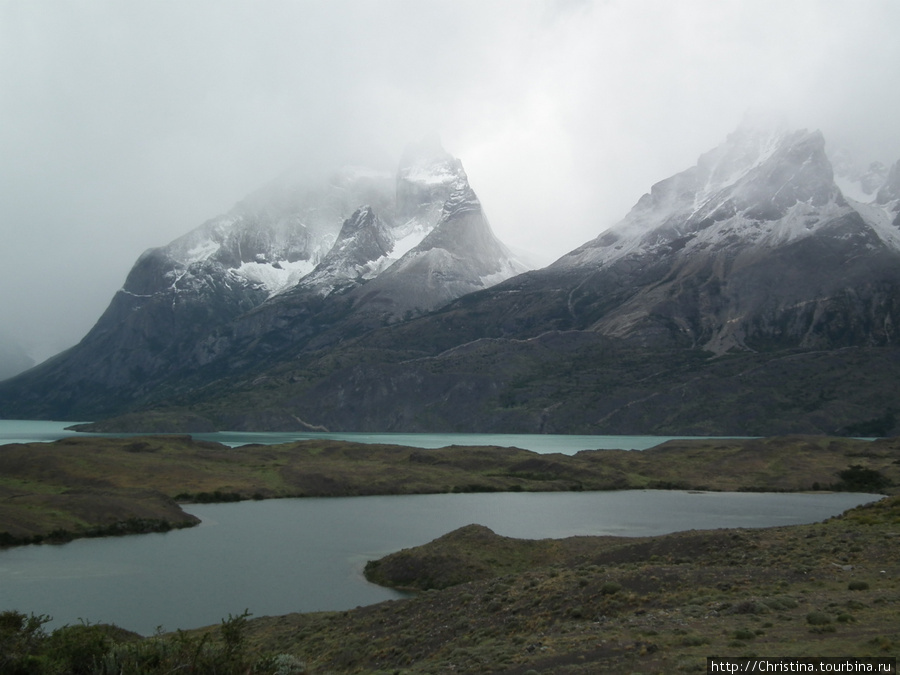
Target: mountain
(294, 252)
(754, 293)
(754, 247)
(745, 295)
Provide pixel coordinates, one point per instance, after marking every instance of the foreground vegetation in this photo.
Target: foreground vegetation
(578, 605)
(86, 486)
(86, 649)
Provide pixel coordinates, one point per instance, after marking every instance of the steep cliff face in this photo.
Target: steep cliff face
(459, 256)
(361, 252)
(888, 196)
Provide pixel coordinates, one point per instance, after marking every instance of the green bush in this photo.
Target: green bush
(21, 638)
(694, 640)
(780, 603)
(86, 649)
(610, 588)
(817, 619)
(78, 649)
(857, 478)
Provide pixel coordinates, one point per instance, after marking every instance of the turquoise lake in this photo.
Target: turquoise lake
(29, 431)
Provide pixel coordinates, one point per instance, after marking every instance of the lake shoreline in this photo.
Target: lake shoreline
(87, 486)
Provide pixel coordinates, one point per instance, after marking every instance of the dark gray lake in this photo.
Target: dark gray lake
(281, 556)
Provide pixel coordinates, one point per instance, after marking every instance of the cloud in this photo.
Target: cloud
(125, 125)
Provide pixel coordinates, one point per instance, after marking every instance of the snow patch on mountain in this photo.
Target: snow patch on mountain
(274, 277)
(852, 189)
(744, 151)
(430, 174)
(201, 251)
(407, 242)
(857, 181)
(881, 220)
(508, 269)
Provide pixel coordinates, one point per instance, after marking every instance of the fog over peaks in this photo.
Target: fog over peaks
(126, 125)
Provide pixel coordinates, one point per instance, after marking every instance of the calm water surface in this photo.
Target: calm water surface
(280, 556)
(27, 431)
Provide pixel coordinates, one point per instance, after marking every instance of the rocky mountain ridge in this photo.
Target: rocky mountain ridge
(754, 257)
(741, 239)
(745, 295)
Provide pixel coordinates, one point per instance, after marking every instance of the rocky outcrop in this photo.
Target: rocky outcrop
(459, 256)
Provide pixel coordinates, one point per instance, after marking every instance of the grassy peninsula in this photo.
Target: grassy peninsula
(620, 605)
(490, 604)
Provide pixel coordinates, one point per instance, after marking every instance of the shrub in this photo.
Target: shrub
(78, 649)
(21, 638)
(750, 607)
(610, 588)
(694, 640)
(817, 619)
(232, 630)
(857, 478)
(98, 649)
(781, 602)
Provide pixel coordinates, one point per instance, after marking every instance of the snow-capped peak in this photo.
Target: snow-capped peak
(750, 146)
(763, 186)
(361, 251)
(425, 177)
(277, 235)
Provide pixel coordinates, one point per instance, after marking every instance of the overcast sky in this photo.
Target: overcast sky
(125, 124)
